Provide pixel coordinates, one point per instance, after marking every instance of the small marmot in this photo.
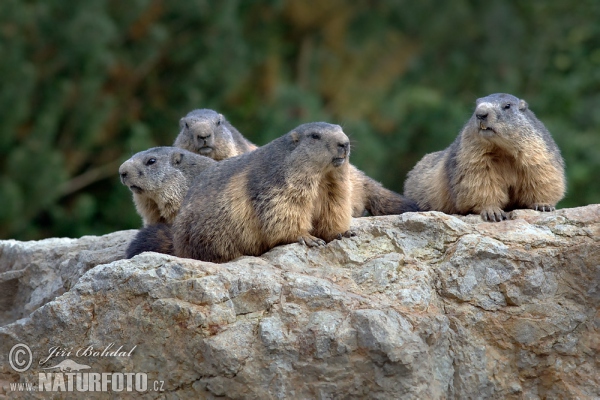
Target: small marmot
(367, 194)
(208, 133)
(504, 158)
(294, 189)
(159, 179)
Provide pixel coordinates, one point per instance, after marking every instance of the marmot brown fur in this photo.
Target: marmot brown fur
(159, 179)
(294, 189)
(367, 194)
(504, 158)
(208, 133)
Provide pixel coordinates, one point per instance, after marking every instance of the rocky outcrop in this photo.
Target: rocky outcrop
(422, 305)
(34, 273)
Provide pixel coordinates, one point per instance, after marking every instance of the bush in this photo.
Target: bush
(87, 84)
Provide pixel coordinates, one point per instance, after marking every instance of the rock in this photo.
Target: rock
(422, 305)
(34, 273)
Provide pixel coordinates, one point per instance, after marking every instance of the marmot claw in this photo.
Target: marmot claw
(542, 207)
(311, 241)
(493, 215)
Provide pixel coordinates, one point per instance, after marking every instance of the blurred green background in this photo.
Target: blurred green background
(86, 84)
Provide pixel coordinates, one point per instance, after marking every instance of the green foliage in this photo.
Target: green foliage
(87, 84)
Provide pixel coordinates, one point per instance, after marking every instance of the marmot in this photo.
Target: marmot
(208, 133)
(367, 194)
(159, 179)
(294, 189)
(504, 158)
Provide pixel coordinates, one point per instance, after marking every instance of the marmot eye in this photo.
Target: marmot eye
(315, 136)
(507, 106)
(187, 126)
(218, 122)
(151, 161)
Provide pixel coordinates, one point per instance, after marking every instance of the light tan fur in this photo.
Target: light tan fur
(246, 223)
(336, 190)
(358, 195)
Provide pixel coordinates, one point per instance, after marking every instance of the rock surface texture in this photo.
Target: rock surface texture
(422, 305)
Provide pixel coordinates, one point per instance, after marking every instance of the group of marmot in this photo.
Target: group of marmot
(215, 196)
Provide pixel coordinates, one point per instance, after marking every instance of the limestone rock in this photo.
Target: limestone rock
(422, 305)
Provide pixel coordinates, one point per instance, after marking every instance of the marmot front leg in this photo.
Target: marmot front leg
(482, 194)
(542, 187)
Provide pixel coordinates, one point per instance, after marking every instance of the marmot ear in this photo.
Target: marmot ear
(182, 123)
(176, 158)
(523, 105)
(295, 137)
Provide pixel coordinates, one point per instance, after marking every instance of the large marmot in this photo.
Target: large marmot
(367, 194)
(208, 133)
(504, 158)
(159, 179)
(294, 189)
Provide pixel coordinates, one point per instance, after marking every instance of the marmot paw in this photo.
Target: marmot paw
(542, 207)
(493, 215)
(311, 241)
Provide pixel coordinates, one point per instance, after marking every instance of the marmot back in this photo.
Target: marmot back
(504, 158)
(208, 133)
(159, 179)
(294, 189)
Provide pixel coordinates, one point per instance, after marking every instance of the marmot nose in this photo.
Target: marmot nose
(200, 137)
(123, 176)
(343, 147)
(482, 115)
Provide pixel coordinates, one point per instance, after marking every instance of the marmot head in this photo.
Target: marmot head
(159, 179)
(205, 132)
(501, 118)
(321, 145)
(156, 169)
